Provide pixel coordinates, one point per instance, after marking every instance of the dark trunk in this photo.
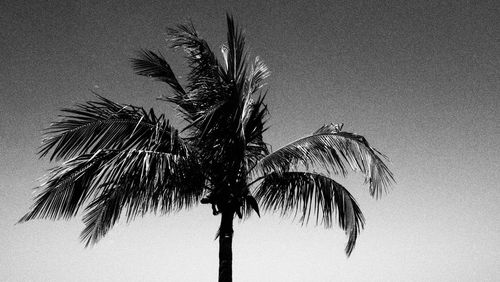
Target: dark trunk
(225, 247)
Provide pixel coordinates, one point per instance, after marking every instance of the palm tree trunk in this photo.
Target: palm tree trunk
(225, 247)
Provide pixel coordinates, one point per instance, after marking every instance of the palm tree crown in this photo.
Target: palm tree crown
(121, 160)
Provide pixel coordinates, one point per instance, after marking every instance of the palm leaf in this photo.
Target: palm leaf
(101, 124)
(334, 151)
(154, 65)
(236, 56)
(254, 128)
(138, 182)
(258, 73)
(141, 181)
(102, 213)
(302, 193)
(127, 157)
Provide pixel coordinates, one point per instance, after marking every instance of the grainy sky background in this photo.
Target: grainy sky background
(420, 79)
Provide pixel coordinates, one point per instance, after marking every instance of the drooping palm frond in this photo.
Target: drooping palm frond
(335, 151)
(138, 182)
(303, 193)
(128, 158)
(110, 181)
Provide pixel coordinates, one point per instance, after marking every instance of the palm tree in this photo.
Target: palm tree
(124, 160)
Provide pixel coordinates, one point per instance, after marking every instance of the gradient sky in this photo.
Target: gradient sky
(420, 79)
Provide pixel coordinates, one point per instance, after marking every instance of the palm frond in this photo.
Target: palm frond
(126, 157)
(236, 55)
(68, 186)
(334, 151)
(207, 82)
(254, 128)
(303, 193)
(138, 182)
(102, 213)
(258, 73)
(101, 124)
(150, 64)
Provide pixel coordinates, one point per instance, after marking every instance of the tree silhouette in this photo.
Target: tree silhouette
(124, 160)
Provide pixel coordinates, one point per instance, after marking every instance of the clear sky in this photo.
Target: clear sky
(420, 79)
